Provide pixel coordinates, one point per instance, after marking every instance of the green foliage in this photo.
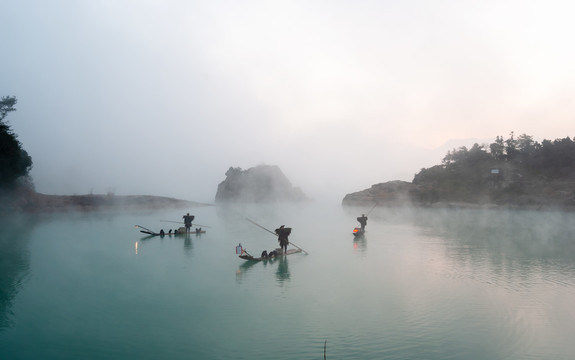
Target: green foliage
(525, 169)
(6, 105)
(15, 163)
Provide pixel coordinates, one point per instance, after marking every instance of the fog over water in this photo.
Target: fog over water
(162, 97)
(421, 284)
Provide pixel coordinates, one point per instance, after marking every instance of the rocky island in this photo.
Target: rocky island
(263, 183)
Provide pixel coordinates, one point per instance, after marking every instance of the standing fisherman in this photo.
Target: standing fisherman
(283, 233)
(188, 221)
(363, 221)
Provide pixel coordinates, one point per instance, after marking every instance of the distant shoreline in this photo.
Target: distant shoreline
(41, 203)
(402, 193)
(459, 205)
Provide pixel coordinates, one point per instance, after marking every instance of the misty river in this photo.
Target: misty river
(421, 284)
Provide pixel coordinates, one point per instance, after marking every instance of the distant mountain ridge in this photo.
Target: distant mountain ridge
(263, 183)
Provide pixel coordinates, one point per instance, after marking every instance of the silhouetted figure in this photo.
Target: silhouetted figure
(283, 233)
(188, 221)
(363, 221)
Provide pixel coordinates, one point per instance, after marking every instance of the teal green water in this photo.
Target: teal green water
(422, 284)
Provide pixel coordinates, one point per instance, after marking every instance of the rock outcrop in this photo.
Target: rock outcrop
(263, 183)
(391, 193)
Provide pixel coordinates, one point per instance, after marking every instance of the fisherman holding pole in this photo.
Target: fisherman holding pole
(363, 218)
(282, 232)
(188, 221)
(286, 233)
(363, 221)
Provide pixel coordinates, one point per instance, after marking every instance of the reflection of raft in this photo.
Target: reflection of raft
(358, 232)
(248, 257)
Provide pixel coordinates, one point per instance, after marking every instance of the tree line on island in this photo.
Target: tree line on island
(15, 163)
(518, 171)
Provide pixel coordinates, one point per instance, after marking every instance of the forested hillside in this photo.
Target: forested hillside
(517, 171)
(15, 163)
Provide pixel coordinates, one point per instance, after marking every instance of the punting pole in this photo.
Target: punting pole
(271, 232)
(141, 227)
(177, 222)
(180, 222)
(373, 207)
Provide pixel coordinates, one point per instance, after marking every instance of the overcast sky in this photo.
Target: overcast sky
(162, 97)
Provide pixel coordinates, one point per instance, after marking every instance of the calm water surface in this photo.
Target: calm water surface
(420, 285)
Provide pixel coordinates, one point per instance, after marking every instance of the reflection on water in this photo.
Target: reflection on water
(360, 243)
(186, 239)
(513, 248)
(282, 273)
(14, 262)
(522, 260)
(431, 285)
(188, 245)
(280, 263)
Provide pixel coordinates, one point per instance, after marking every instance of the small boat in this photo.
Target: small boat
(358, 232)
(279, 252)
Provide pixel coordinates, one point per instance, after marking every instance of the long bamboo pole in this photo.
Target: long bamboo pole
(369, 212)
(148, 230)
(271, 232)
(181, 222)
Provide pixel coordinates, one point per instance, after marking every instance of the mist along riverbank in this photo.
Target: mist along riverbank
(32, 202)
(421, 284)
(550, 195)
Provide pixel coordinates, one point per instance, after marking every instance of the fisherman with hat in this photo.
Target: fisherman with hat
(363, 221)
(283, 233)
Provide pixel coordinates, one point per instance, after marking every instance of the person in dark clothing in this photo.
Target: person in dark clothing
(188, 221)
(363, 221)
(283, 233)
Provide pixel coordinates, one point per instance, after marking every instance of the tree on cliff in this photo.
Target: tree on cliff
(15, 163)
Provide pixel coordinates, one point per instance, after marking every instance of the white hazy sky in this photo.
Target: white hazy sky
(162, 97)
